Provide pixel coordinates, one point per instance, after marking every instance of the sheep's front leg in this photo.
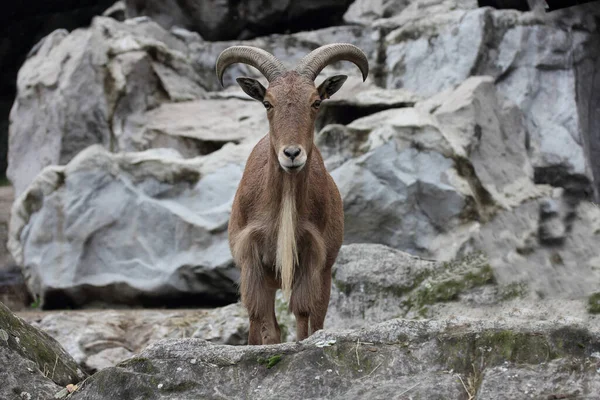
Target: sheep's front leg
(257, 287)
(259, 299)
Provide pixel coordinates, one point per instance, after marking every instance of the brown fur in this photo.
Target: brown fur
(259, 235)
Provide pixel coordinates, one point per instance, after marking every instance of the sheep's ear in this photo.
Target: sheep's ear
(331, 85)
(252, 87)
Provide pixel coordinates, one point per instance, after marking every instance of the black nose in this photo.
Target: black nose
(292, 152)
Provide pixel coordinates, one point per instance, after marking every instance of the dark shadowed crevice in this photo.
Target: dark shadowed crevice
(575, 185)
(87, 296)
(520, 5)
(344, 113)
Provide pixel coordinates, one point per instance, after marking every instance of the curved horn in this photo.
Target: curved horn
(264, 61)
(313, 63)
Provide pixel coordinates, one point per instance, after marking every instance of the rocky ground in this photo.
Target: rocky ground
(452, 324)
(468, 167)
(457, 358)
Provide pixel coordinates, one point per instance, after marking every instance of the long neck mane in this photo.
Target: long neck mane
(288, 192)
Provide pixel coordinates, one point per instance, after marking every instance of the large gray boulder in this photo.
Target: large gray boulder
(542, 63)
(134, 228)
(34, 365)
(198, 127)
(445, 359)
(98, 80)
(23, 25)
(217, 20)
(421, 178)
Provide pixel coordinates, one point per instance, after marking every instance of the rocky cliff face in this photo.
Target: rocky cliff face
(23, 24)
(466, 162)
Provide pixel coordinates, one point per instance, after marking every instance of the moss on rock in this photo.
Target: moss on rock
(594, 303)
(270, 362)
(30, 343)
(454, 278)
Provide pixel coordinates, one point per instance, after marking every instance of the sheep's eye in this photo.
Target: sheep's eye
(267, 105)
(317, 103)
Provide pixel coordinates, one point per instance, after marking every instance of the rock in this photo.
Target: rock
(412, 63)
(100, 81)
(548, 243)
(358, 99)
(101, 207)
(290, 49)
(100, 338)
(375, 283)
(108, 358)
(23, 25)
(417, 11)
(201, 126)
(116, 11)
(521, 51)
(491, 132)
(365, 12)
(422, 359)
(226, 325)
(133, 86)
(409, 162)
(240, 20)
(34, 366)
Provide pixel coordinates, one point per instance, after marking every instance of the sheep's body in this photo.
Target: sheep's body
(258, 234)
(287, 220)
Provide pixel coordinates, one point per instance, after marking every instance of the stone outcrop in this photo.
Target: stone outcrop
(100, 81)
(431, 51)
(119, 84)
(445, 359)
(22, 26)
(144, 228)
(34, 365)
(422, 178)
(97, 339)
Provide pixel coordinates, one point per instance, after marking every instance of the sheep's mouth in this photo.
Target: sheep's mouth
(292, 168)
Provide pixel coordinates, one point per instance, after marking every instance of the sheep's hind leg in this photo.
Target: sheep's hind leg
(264, 328)
(319, 310)
(302, 302)
(270, 332)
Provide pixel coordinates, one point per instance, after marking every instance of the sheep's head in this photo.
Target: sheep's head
(292, 100)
